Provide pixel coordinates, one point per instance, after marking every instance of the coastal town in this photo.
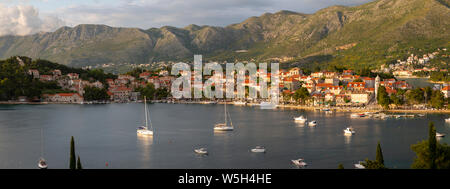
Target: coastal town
(316, 89)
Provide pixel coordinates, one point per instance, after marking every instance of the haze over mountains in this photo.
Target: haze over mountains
(368, 34)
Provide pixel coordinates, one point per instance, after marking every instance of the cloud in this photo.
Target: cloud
(24, 20)
(156, 13)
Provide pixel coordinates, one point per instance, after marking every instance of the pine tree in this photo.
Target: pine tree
(79, 163)
(72, 161)
(379, 156)
(432, 144)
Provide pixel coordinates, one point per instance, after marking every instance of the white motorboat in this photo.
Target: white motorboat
(259, 149)
(144, 130)
(300, 119)
(349, 131)
(359, 165)
(201, 151)
(42, 164)
(239, 103)
(299, 162)
(354, 115)
(312, 123)
(357, 115)
(224, 126)
(440, 134)
(447, 120)
(267, 105)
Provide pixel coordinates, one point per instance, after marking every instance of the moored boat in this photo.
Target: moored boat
(359, 165)
(299, 162)
(349, 131)
(258, 149)
(312, 123)
(201, 151)
(300, 119)
(144, 130)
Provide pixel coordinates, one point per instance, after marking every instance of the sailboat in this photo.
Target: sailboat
(144, 129)
(42, 163)
(224, 126)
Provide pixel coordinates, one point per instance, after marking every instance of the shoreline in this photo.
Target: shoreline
(298, 107)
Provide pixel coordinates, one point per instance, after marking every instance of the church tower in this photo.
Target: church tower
(377, 84)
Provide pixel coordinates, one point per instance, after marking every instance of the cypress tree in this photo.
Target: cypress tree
(79, 163)
(432, 144)
(72, 161)
(379, 157)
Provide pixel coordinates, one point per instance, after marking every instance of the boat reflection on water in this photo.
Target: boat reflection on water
(144, 143)
(299, 124)
(347, 139)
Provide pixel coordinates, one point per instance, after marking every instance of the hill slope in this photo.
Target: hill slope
(368, 34)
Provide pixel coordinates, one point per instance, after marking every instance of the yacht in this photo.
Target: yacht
(299, 162)
(144, 129)
(349, 131)
(312, 123)
(239, 103)
(224, 126)
(359, 165)
(300, 119)
(259, 149)
(440, 134)
(201, 151)
(267, 105)
(356, 115)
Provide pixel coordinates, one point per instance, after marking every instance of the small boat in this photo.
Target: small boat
(312, 123)
(224, 126)
(357, 115)
(144, 129)
(447, 120)
(267, 105)
(359, 165)
(300, 119)
(259, 149)
(299, 162)
(349, 131)
(239, 103)
(42, 164)
(440, 134)
(201, 151)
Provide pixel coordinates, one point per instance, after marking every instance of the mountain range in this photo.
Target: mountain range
(364, 35)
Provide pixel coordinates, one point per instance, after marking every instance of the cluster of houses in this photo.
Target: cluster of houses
(121, 89)
(335, 88)
(414, 63)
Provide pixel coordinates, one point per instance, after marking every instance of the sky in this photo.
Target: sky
(24, 17)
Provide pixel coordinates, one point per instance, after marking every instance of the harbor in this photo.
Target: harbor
(106, 136)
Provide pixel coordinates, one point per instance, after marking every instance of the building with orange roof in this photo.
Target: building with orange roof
(446, 91)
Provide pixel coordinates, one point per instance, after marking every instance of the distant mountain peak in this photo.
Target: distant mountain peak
(380, 29)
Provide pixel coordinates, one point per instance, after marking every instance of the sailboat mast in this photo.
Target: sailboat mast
(145, 109)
